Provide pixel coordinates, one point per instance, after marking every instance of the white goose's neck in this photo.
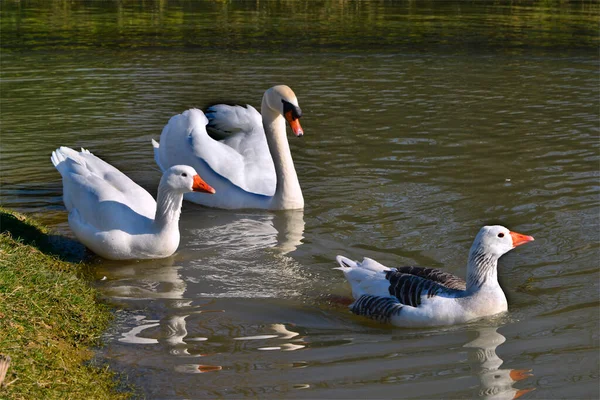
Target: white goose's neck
(288, 194)
(481, 269)
(168, 209)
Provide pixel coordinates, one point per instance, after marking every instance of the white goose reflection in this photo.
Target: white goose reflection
(496, 383)
(282, 332)
(152, 279)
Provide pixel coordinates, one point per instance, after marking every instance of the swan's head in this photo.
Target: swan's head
(281, 99)
(184, 179)
(496, 240)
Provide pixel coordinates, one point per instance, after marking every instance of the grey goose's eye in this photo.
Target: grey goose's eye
(184, 175)
(501, 235)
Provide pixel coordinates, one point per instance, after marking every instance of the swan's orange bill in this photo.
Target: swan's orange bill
(201, 186)
(294, 124)
(519, 239)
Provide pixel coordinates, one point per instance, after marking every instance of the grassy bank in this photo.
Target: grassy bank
(49, 317)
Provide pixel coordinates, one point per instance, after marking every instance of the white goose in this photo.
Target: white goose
(116, 218)
(416, 296)
(252, 166)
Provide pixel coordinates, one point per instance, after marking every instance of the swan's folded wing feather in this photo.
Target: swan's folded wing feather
(243, 158)
(225, 120)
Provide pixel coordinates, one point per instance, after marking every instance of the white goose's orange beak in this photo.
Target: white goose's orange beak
(201, 186)
(521, 392)
(520, 374)
(294, 124)
(519, 239)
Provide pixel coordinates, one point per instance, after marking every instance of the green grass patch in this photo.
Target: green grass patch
(50, 317)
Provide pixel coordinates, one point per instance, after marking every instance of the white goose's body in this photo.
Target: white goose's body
(251, 166)
(115, 217)
(416, 296)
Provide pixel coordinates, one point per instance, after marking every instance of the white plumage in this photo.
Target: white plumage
(415, 296)
(250, 166)
(115, 217)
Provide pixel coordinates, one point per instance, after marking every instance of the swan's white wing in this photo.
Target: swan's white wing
(242, 129)
(243, 158)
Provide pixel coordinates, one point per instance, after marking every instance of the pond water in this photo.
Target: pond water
(423, 121)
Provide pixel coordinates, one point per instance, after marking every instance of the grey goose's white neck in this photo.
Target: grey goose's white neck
(481, 268)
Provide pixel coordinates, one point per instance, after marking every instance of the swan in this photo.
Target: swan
(116, 218)
(251, 165)
(417, 297)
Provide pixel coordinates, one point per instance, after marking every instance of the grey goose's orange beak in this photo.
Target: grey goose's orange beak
(519, 239)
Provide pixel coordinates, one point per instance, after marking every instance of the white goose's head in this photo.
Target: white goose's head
(184, 179)
(281, 99)
(496, 240)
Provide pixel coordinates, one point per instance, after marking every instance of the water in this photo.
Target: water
(423, 121)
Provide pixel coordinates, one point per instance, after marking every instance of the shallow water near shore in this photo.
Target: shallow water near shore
(456, 117)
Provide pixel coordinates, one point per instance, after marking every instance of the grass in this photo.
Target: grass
(50, 317)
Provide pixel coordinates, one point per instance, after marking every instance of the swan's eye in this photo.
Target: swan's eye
(287, 107)
(501, 234)
(184, 175)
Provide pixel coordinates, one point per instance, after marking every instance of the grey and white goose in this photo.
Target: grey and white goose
(416, 296)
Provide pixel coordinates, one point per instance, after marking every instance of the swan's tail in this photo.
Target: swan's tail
(226, 120)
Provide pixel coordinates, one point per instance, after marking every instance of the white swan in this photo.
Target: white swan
(251, 166)
(416, 296)
(116, 218)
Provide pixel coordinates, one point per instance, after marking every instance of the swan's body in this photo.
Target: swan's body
(115, 217)
(251, 166)
(416, 296)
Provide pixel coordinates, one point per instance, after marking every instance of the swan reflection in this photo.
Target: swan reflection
(234, 232)
(496, 383)
(243, 254)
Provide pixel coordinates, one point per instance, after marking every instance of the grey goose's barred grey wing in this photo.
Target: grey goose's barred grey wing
(405, 290)
(381, 309)
(437, 275)
(409, 289)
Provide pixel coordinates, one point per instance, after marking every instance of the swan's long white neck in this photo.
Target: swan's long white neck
(168, 208)
(288, 194)
(481, 268)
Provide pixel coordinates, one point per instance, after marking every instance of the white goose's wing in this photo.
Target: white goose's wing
(131, 194)
(100, 194)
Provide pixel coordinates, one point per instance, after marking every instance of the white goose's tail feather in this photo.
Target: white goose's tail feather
(63, 153)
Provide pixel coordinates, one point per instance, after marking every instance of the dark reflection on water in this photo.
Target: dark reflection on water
(323, 25)
(423, 121)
